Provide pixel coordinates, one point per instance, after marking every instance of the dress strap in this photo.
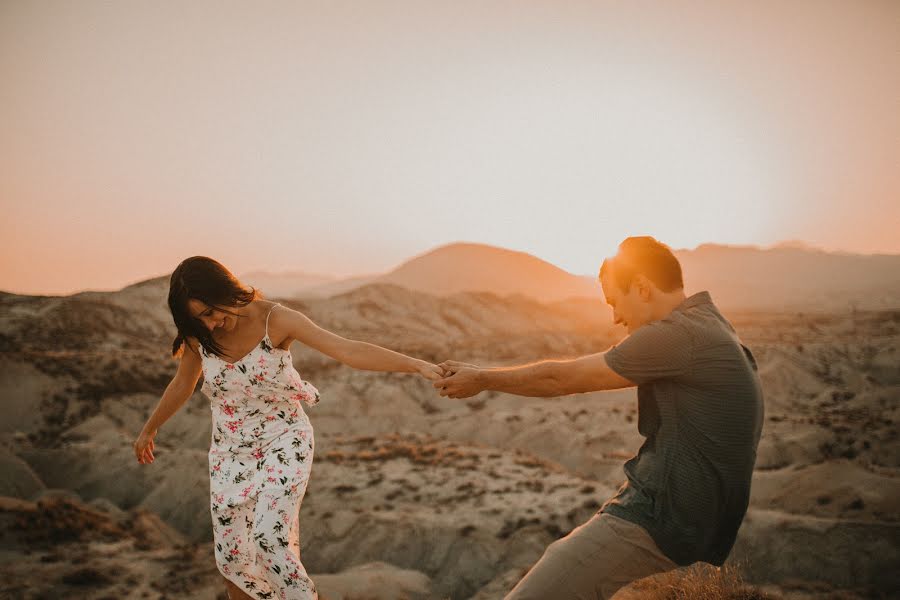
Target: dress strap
(267, 318)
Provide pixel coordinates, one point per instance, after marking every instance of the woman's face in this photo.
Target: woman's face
(211, 317)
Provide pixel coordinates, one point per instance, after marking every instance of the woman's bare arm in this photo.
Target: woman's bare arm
(356, 354)
(176, 394)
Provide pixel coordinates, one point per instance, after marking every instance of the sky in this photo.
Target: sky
(343, 138)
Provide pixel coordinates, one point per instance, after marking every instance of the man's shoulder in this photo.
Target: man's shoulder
(703, 316)
(671, 330)
(676, 324)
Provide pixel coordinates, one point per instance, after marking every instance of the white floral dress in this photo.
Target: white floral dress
(260, 458)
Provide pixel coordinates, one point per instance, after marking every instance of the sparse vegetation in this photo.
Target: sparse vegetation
(700, 582)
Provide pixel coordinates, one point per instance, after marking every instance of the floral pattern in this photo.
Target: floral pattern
(260, 459)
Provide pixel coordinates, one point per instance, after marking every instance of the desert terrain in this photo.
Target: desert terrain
(413, 495)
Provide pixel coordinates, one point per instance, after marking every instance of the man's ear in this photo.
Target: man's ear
(643, 287)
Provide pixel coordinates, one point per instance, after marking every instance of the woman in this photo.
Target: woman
(262, 442)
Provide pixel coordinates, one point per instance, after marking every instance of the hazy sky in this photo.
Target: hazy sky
(345, 137)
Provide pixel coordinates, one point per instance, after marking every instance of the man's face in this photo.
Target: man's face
(629, 309)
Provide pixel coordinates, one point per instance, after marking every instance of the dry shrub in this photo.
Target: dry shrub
(699, 582)
(51, 521)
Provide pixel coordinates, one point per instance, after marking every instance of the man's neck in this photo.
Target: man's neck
(668, 302)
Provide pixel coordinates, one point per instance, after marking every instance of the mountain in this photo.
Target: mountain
(450, 269)
(792, 277)
(465, 267)
(285, 284)
(339, 286)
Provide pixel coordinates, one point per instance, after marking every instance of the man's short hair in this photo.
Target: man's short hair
(647, 256)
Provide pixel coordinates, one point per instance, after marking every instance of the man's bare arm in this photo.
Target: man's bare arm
(542, 379)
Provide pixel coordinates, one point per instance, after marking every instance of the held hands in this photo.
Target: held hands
(428, 370)
(460, 380)
(143, 447)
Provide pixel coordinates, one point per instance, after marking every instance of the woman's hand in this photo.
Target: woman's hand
(143, 447)
(428, 370)
(449, 367)
(460, 380)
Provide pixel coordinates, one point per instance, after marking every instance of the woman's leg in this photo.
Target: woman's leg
(235, 551)
(234, 592)
(277, 536)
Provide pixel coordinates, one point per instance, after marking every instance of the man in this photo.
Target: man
(700, 409)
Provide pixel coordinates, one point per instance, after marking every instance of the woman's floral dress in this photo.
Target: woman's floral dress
(260, 458)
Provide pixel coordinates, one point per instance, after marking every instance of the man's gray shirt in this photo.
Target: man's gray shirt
(700, 408)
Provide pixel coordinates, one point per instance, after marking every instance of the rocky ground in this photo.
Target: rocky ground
(413, 495)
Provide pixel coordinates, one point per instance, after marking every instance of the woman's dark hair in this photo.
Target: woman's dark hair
(204, 279)
(647, 256)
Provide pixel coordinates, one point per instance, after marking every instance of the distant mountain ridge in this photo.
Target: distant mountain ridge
(466, 267)
(450, 269)
(787, 276)
(792, 277)
(285, 283)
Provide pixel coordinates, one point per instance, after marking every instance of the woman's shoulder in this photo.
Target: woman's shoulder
(193, 343)
(262, 306)
(278, 317)
(273, 309)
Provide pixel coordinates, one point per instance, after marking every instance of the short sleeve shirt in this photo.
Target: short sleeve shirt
(700, 408)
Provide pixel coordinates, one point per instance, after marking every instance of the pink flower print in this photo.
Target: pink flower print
(235, 552)
(226, 570)
(229, 366)
(262, 360)
(232, 425)
(228, 410)
(248, 391)
(270, 469)
(297, 396)
(260, 377)
(228, 532)
(294, 575)
(217, 467)
(279, 471)
(270, 417)
(258, 454)
(271, 479)
(246, 491)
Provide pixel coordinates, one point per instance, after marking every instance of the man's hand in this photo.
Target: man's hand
(460, 380)
(451, 366)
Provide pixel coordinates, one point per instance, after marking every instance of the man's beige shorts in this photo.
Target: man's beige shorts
(592, 562)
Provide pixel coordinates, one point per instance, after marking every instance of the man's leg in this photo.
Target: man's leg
(592, 562)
